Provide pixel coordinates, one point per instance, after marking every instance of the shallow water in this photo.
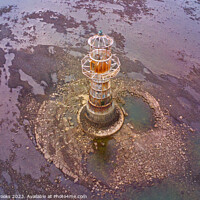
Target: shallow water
(102, 161)
(163, 35)
(139, 113)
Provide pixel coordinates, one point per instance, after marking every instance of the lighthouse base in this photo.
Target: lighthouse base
(101, 124)
(104, 118)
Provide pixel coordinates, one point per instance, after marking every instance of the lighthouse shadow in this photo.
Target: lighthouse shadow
(102, 161)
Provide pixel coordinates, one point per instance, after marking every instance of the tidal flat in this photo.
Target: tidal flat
(41, 45)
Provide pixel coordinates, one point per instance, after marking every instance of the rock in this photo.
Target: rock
(149, 169)
(156, 125)
(65, 171)
(65, 120)
(69, 118)
(191, 129)
(56, 94)
(123, 110)
(103, 144)
(69, 78)
(130, 126)
(76, 180)
(47, 156)
(57, 164)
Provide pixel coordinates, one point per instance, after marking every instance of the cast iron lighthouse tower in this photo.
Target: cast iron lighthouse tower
(100, 65)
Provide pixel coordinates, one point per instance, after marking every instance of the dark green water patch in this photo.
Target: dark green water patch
(140, 115)
(169, 189)
(193, 145)
(102, 162)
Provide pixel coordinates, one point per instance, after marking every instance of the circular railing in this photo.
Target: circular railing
(100, 41)
(100, 77)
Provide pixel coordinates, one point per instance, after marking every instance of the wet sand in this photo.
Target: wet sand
(158, 45)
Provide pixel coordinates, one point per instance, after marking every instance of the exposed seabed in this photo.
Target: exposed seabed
(131, 156)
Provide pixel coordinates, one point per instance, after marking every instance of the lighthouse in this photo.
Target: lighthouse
(100, 65)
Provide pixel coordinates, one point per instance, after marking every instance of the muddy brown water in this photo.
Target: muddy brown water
(158, 45)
